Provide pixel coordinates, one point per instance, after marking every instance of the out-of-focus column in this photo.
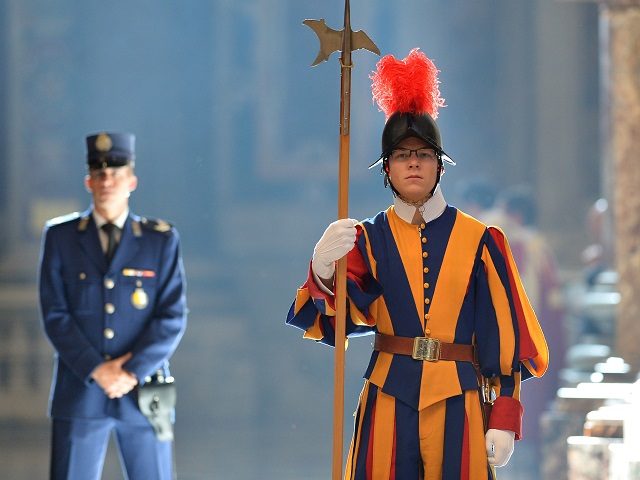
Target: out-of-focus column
(620, 75)
(620, 56)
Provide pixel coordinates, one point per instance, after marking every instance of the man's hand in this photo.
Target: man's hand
(499, 444)
(336, 241)
(113, 379)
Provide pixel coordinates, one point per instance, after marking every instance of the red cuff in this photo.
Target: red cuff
(506, 414)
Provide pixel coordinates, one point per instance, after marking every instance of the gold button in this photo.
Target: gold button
(109, 308)
(422, 225)
(426, 316)
(427, 331)
(424, 239)
(107, 357)
(425, 269)
(425, 254)
(427, 301)
(109, 283)
(109, 334)
(82, 276)
(427, 285)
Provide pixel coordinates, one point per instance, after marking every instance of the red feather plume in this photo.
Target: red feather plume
(408, 86)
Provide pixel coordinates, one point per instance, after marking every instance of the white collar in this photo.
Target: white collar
(118, 222)
(432, 208)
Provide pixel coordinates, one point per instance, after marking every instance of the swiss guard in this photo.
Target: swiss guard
(454, 331)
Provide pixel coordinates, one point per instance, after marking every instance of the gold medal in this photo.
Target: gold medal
(139, 297)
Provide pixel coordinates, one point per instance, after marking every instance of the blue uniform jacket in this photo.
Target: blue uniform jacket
(93, 312)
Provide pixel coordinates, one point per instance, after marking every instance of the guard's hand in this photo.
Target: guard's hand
(113, 379)
(337, 240)
(499, 444)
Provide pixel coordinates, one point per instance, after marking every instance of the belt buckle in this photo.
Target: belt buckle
(426, 348)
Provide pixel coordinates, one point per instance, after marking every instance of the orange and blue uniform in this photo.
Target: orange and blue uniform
(453, 279)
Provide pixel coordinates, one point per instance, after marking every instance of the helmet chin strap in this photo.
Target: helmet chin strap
(418, 203)
(438, 176)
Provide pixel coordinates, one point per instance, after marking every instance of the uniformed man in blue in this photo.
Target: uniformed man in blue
(112, 296)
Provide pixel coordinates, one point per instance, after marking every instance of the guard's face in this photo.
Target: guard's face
(111, 186)
(413, 169)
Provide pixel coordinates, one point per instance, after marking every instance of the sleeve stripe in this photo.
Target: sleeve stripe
(532, 345)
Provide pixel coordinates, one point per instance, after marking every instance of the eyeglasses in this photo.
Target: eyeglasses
(402, 154)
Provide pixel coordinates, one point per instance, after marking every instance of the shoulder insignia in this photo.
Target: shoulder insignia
(136, 228)
(82, 225)
(156, 224)
(162, 226)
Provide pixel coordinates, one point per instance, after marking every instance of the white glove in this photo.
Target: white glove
(337, 240)
(499, 444)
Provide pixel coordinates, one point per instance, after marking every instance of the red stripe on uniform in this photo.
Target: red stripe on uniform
(526, 346)
(466, 455)
(369, 468)
(356, 266)
(315, 291)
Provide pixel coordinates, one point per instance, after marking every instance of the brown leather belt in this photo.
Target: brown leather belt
(424, 348)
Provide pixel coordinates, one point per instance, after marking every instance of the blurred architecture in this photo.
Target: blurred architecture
(237, 141)
(592, 429)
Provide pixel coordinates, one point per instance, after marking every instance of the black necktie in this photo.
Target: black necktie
(110, 229)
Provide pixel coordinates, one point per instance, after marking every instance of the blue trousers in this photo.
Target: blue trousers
(79, 446)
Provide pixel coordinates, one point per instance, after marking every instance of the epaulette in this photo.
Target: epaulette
(156, 224)
(63, 219)
(82, 224)
(136, 228)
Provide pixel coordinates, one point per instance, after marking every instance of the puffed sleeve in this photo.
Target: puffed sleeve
(511, 345)
(313, 309)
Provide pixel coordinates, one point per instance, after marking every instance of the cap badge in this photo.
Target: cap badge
(103, 142)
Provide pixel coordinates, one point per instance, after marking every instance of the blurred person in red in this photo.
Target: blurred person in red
(517, 216)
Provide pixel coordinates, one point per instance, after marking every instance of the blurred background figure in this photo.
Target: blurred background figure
(516, 214)
(477, 197)
(593, 297)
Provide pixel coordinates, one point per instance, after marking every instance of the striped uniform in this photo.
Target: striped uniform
(453, 279)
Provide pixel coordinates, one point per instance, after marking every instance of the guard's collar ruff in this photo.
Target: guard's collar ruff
(430, 210)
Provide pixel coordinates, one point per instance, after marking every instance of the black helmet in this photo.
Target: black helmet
(403, 125)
